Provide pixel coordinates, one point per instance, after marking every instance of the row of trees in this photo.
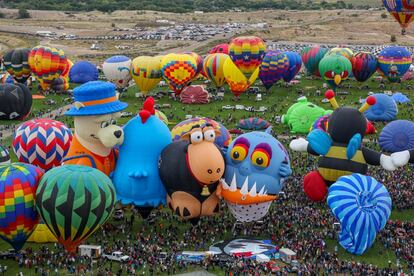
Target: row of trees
(176, 5)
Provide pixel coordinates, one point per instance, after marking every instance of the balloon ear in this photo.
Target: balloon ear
(269, 130)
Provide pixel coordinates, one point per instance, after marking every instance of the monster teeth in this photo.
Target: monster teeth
(253, 191)
(224, 184)
(245, 188)
(261, 193)
(233, 184)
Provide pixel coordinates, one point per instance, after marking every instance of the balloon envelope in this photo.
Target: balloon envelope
(334, 69)
(82, 72)
(311, 56)
(146, 72)
(16, 64)
(295, 64)
(178, 70)
(364, 65)
(220, 49)
(385, 109)
(401, 10)
(213, 68)
(15, 101)
(117, 69)
(394, 62)
(236, 80)
(274, 66)
(397, 136)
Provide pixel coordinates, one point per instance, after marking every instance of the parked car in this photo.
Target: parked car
(116, 256)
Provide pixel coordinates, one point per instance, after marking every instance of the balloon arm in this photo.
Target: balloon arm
(371, 157)
(285, 170)
(402, 158)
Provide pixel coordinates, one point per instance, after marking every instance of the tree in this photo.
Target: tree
(393, 38)
(23, 14)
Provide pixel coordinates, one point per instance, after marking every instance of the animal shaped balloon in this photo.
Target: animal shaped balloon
(191, 170)
(136, 176)
(178, 70)
(345, 52)
(256, 165)
(311, 56)
(18, 183)
(213, 68)
(362, 206)
(117, 69)
(47, 64)
(385, 108)
(146, 72)
(42, 142)
(15, 101)
(74, 201)
(340, 148)
(394, 62)
(334, 69)
(16, 64)
(301, 115)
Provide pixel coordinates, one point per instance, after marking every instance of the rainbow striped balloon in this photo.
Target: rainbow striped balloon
(273, 68)
(362, 205)
(42, 142)
(18, 215)
(247, 53)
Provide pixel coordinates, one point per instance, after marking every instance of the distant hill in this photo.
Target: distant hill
(186, 5)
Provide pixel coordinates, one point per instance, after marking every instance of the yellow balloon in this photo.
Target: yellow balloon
(146, 72)
(236, 79)
(213, 68)
(178, 70)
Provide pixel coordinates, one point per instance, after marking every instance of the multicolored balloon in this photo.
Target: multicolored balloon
(401, 10)
(117, 69)
(345, 52)
(273, 68)
(334, 69)
(16, 64)
(146, 72)
(178, 70)
(236, 80)
(199, 60)
(74, 201)
(184, 127)
(364, 65)
(253, 123)
(295, 64)
(247, 53)
(42, 142)
(47, 64)
(362, 205)
(220, 49)
(311, 56)
(394, 62)
(213, 68)
(18, 215)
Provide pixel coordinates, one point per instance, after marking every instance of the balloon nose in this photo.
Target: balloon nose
(118, 133)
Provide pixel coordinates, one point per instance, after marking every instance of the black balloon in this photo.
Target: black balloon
(15, 101)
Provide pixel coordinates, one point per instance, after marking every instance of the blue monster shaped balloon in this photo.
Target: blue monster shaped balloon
(136, 177)
(256, 164)
(362, 205)
(385, 109)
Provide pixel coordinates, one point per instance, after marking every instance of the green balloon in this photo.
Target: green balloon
(301, 115)
(74, 201)
(334, 69)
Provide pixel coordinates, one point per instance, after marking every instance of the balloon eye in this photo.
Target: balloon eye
(330, 74)
(210, 135)
(104, 124)
(239, 153)
(196, 137)
(344, 74)
(113, 122)
(260, 158)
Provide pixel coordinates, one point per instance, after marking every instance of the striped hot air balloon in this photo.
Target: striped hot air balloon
(42, 142)
(16, 63)
(18, 215)
(364, 65)
(362, 205)
(253, 123)
(394, 62)
(74, 201)
(273, 68)
(295, 64)
(213, 68)
(311, 56)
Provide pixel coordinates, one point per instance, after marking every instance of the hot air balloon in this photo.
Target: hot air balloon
(82, 72)
(274, 66)
(364, 65)
(4, 155)
(247, 53)
(311, 56)
(117, 69)
(402, 11)
(74, 201)
(253, 123)
(295, 63)
(47, 64)
(18, 183)
(345, 52)
(394, 62)
(194, 94)
(15, 101)
(334, 69)
(42, 142)
(199, 60)
(213, 68)
(362, 205)
(178, 70)
(384, 110)
(146, 72)
(220, 49)
(16, 63)
(236, 80)
(397, 136)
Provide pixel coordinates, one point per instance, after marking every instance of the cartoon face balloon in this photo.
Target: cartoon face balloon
(256, 164)
(117, 70)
